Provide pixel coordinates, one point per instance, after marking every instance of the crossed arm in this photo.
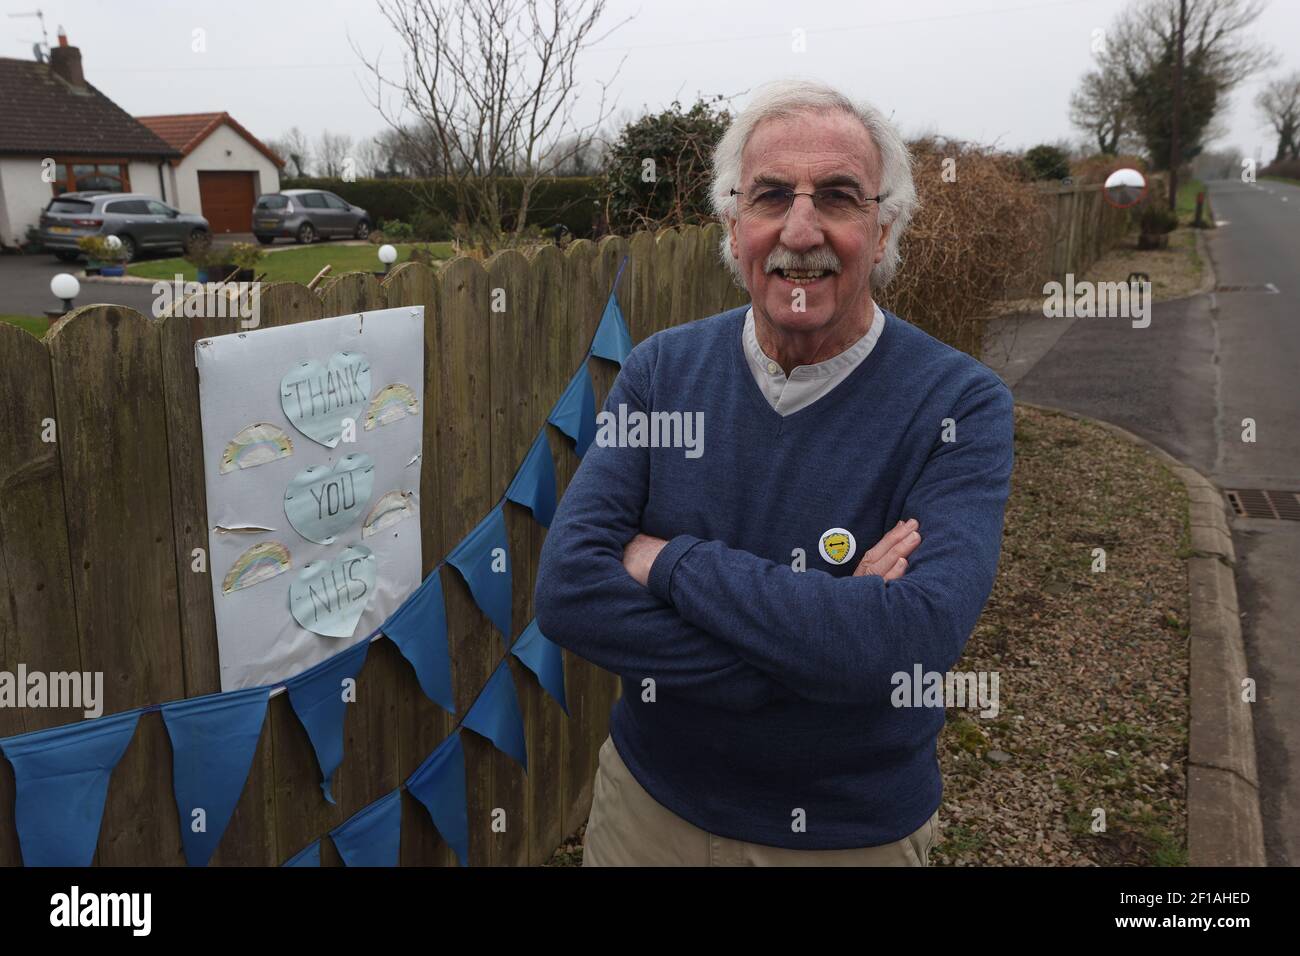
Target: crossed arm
(722, 626)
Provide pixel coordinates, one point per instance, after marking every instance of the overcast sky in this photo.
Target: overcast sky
(985, 70)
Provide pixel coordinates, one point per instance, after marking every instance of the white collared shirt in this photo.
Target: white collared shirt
(806, 383)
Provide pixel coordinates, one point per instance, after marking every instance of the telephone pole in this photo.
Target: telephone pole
(1178, 107)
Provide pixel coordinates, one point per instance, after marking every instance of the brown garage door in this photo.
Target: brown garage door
(227, 200)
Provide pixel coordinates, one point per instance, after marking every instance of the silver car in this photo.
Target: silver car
(306, 215)
(140, 221)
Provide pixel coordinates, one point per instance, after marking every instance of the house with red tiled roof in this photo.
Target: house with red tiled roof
(58, 133)
(221, 170)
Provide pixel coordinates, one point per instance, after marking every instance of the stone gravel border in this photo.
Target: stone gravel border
(1224, 826)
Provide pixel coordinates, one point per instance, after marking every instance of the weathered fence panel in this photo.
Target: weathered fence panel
(99, 530)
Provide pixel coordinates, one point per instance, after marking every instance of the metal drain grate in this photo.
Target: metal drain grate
(1267, 288)
(1265, 503)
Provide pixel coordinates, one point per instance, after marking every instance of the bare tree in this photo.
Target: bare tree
(293, 148)
(331, 151)
(493, 84)
(1099, 107)
(1279, 102)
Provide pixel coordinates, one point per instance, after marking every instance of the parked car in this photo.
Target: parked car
(140, 221)
(306, 215)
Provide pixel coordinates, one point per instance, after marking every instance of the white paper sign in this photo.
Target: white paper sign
(328, 476)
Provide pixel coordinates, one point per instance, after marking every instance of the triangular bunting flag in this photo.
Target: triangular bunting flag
(575, 412)
(496, 715)
(373, 835)
(317, 699)
(307, 856)
(544, 659)
(534, 483)
(613, 341)
(419, 629)
(486, 569)
(439, 784)
(61, 781)
(213, 742)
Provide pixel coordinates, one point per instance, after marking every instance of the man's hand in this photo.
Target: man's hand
(888, 558)
(640, 554)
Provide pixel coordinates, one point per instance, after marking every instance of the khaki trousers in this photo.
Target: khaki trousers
(627, 827)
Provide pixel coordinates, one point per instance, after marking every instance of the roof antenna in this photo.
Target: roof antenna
(41, 49)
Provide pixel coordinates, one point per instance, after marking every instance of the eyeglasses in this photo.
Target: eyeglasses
(774, 202)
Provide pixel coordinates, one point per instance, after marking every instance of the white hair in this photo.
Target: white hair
(783, 98)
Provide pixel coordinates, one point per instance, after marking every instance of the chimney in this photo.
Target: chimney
(65, 61)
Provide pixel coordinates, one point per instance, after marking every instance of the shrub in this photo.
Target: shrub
(1157, 219)
(199, 254)
(245, 255)
(396, 230)
(1047, 162)
(681, 146)
(570, 200)
(970, 242)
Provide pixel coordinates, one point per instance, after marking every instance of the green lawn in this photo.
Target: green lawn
(1282, 179)
(1187, 201)
(35, 324)
(297, 265)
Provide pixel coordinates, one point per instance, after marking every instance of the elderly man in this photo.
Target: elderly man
(758, 645)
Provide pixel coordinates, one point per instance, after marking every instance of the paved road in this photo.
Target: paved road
(25, 287)
(1185, 383)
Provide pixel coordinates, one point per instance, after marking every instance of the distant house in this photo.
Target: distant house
(58, 134)
(222, 170)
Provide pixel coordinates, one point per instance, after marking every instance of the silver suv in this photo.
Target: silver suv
(139, 220)
(306, 215)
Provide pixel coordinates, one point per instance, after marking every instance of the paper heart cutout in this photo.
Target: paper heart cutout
(324, 501)
(317, 398)
(329, 597)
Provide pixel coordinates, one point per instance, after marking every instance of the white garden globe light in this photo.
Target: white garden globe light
(113, 242)
(387, 255)
(65, 286)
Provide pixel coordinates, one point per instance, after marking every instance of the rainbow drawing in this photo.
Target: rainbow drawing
(259, 563)
(391, 403)
(256, 445)
(388, 510)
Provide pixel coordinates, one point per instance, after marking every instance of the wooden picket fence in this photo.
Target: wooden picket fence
(97, 531)
(98, 527)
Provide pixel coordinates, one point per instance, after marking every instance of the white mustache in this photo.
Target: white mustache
(822, 259)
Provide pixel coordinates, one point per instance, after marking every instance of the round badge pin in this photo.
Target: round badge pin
(837, 545)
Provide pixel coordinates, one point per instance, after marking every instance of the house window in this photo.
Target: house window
(74, 176)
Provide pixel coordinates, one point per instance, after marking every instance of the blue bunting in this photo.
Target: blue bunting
(575, 412)
(419, 629)
(496, 715)
(61, 781)
(439, 784)
(213, 742)
(534, 483)
(474, 559)
(307, 856)
(373, 835)
(317, 699)
(544, 659)
(613, 341)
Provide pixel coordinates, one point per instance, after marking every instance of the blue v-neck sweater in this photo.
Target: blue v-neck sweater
(757, 672)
